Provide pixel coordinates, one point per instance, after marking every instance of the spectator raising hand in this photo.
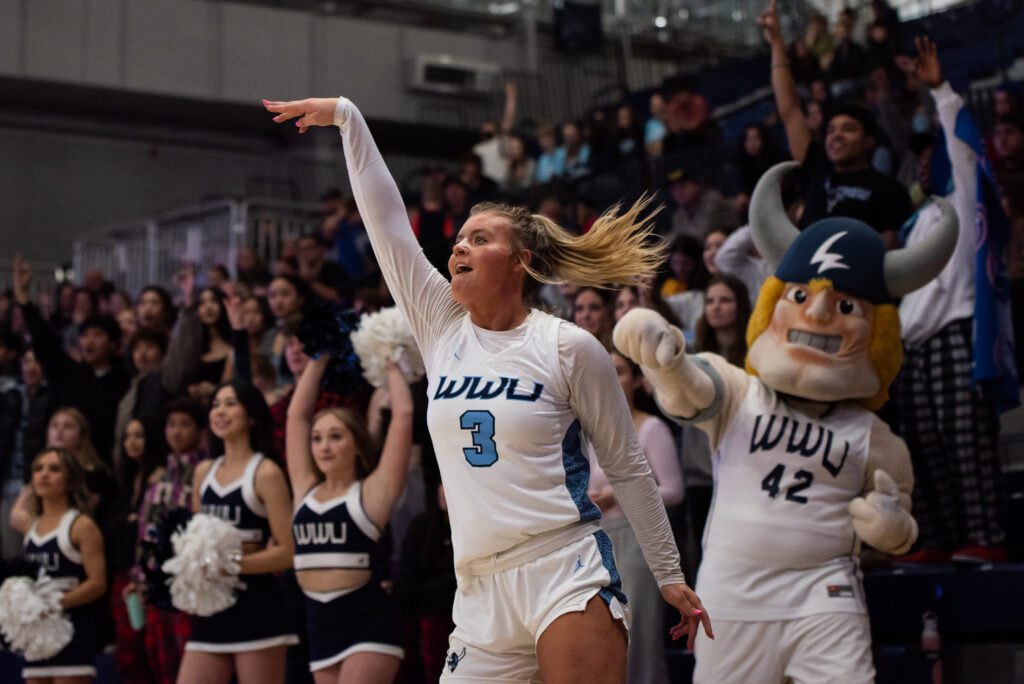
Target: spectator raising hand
(185, 279)
(769, 23)
(21, 279)
(927, 68)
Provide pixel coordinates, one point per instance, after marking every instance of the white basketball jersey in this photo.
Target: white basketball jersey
(779, 542)
(508, 444)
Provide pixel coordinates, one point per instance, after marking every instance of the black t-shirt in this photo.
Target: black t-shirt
(869, 195)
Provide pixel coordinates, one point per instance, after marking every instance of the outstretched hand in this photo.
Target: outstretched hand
(927, 68)
(21, 277)
(233, 309)
(314, 111)
(769, 23)
(691, 612)
(185, 279)
(645, 337)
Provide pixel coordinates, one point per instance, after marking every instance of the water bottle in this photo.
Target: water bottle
(136, 611)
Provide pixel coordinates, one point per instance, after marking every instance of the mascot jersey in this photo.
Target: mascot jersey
(779, 543)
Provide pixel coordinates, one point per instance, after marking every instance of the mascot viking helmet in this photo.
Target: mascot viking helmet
(825, 327)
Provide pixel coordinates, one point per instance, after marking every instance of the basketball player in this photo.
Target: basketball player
(513, 393)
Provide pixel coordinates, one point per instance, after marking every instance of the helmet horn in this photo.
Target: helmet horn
(912, 267)
(771, 228)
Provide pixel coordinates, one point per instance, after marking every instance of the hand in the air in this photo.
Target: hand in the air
(691, 611)
(21, 278)
(646, 338)
(314, 111)
(233, 309)
(185, 279)
(769, 23)
(880, 520)
(927, 68)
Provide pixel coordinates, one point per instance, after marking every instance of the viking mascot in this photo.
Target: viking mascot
(803, 469)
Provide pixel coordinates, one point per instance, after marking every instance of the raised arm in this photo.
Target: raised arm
(963, 161)
(422, 294)
(241, 358)
(299, 425)
(374, 414)
(183, 352)
(683, 389)
(57, 366)
(508, 116)
(784, 86)
(385, 484)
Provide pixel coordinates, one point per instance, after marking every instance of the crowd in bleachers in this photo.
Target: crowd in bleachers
(123, 381)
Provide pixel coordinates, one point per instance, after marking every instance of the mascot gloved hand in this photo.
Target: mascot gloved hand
(647, 338)
(881, 519)
(803, 468)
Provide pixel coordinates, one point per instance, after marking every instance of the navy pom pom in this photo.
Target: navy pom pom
(326, 328)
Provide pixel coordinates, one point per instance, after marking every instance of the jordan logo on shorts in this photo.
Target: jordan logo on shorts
(579, 563)
(454, 659)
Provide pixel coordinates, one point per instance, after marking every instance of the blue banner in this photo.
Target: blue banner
(994, 369)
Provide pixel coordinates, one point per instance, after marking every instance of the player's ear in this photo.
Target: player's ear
(522, 260)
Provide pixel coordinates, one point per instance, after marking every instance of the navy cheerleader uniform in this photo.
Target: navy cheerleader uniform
(258, 619)
(55, 553)
(338, 535)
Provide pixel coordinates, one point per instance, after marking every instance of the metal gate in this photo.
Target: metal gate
(151, 251)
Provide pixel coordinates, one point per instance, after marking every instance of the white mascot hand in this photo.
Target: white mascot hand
(647, 338)
(880, 520)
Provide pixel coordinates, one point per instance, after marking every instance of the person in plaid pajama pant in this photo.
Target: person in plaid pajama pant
(949, 427)
(166, 633)
(167, 629)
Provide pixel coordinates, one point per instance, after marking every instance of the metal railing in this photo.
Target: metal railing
(135, 254)
(46, 276)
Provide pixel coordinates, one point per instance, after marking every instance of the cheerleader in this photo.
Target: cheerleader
(514, 393)
(347, 497)
(248, 489)
(69, 546)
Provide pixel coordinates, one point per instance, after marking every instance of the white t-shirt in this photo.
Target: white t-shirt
(508, 409)
(492, 161)
(950, 295)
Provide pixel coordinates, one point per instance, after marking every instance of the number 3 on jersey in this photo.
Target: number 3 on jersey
(484, 452)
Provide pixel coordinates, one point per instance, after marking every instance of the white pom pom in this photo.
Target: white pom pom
(386, 336)
(31, 618)
(205, 566)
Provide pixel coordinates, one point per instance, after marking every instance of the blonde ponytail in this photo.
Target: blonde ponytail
(620, 249)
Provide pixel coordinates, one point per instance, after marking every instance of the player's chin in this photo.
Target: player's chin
(460, 290)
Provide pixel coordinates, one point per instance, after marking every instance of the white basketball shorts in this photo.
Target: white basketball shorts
(499, 617)
(832, 647)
